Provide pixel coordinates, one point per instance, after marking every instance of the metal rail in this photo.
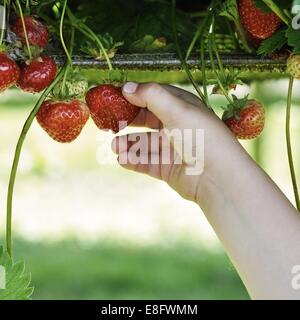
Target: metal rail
(166, 61)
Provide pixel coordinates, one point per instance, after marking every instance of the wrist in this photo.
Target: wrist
(224, 162)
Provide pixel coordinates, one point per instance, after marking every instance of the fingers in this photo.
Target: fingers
(146, 153)
(157, 99)
(144, 142)
(147, 119)
(127, 161)
(183, 94)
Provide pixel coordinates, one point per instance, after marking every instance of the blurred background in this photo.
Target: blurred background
(89, 229)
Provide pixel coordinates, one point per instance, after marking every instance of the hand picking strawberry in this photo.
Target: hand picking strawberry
(245, 208)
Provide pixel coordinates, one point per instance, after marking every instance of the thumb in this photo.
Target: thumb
(163, 104)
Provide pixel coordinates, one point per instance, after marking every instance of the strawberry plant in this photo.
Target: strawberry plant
(36, 29)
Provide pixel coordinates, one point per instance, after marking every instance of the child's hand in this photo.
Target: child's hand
(167, 107)
(256, 223)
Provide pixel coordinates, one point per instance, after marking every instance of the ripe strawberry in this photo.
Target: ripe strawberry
(63, 120)
(9, 72)
(293, 65)
(245, 118)
(37, 75)
(37, 32)
(259, 24)
(109, 108)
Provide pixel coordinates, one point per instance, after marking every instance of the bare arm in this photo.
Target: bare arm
(256, 223)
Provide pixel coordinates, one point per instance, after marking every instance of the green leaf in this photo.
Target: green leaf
(275, 42)
(282, 4)
(148, 44)
(262, 6)
(17, 281)
(230, 10)
(293, 37)
(110, 46)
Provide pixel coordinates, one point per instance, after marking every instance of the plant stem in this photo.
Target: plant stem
(61, 33)
(232, 13)
(83, 28)
(274, 7)
(67, 52)
(24, 29)
(197, 35)
(211, 47)
(232, 34)
(183, 61)
(69, 65)
(201, 29)
(203, 72)
(99, 43)
(289, 144)
(15, 164)
(4, 23)
(214, 47)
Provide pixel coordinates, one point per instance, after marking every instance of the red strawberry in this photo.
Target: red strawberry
(37, 32)
(9, 72)
(259, 24)
(37, 74)
(63, 120)
(109, 108)
(246, 118)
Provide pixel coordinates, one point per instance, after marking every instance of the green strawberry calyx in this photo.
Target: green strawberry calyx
(229, 79)
(3, 48)
(234, 109)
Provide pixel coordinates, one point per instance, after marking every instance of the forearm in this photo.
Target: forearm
(258, 226)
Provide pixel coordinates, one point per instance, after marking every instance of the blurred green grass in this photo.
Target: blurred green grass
(107, 270)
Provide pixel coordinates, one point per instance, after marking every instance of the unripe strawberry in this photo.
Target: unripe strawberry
(293, 65)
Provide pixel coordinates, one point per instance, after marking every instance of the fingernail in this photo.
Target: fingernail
(130, 87)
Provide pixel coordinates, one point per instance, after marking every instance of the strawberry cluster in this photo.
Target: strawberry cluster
(264, 30)
(63, 118)
(64, 115)
(32, 75)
